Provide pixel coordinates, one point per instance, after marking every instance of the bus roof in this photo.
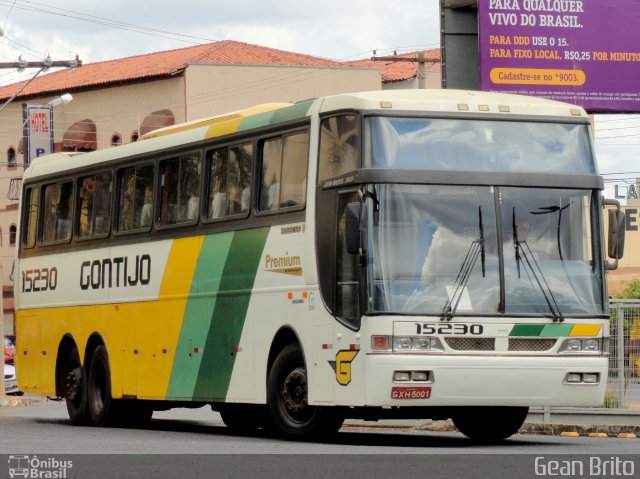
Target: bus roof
(450, 101)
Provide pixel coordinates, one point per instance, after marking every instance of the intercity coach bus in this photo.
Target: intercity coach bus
(390, 254)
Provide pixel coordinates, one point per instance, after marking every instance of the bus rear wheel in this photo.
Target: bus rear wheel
(490, 424)
(75, 390)
(101, 406)
(289, 413)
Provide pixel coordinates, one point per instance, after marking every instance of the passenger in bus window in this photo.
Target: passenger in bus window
(245, 198)
(146, 212)
(127, 197)
(102, 204)
(63, 212)
(51, 196)
(193, 201)
(86, 206)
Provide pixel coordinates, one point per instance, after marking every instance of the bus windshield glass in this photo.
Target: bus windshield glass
(478, 145)
(442, 250)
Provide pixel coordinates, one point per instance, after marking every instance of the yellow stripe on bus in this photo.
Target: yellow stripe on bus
(158, 324)
(585, 330)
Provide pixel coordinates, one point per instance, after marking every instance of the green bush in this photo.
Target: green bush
(631, 290)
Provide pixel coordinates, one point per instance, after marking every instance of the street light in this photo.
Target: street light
(59, 100)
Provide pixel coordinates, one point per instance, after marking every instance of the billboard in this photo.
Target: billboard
(38, 132)
(580, 51)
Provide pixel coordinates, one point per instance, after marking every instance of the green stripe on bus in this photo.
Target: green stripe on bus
(229, 313)
(197, 316)
(527, 330)
(298, 110)
(256, 121)
(281, 115)
(556, 330)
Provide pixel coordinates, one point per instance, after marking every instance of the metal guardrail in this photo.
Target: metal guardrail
(623, 385)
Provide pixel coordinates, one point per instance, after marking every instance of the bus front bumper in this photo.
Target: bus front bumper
(399, 380)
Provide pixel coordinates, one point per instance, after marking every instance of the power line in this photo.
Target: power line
(63, 12)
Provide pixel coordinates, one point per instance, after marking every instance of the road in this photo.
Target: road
(184, 442)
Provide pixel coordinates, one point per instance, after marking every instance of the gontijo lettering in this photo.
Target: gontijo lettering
(115, 272)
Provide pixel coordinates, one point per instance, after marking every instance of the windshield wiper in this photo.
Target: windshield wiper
(521, 247)
(476, 249)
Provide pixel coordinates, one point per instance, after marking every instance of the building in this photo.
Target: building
(629, 265)
(116, 101)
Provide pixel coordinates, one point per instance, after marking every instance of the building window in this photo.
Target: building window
(81, 136)
(12, 235)
(116, 140)
(134, 137)
(11, 158)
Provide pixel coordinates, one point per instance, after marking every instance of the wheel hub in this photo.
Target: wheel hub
(73, 386)
(294, 390)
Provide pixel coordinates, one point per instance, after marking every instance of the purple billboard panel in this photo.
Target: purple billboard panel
(585, 52)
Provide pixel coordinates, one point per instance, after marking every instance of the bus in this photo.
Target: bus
(378, 255)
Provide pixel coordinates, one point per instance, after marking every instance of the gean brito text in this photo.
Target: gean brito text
(116, 272)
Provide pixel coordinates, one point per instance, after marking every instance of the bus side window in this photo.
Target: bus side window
(229, 181)
(239, 179)
(57, 213)
(284, 172)
(135, 198)
(180, 190)
(30, 215)
(339, 146)
(94, 202)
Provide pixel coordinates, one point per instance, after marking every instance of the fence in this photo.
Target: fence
(623, 386)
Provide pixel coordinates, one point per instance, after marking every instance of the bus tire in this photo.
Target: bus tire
(75, 390)
(100, 404)
(490, 424)
(289, 414)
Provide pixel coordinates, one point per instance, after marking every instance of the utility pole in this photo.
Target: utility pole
(420, 59)
(47, 63)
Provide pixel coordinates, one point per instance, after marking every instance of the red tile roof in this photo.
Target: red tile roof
(161, 64)
(173, 62)
(399, 71)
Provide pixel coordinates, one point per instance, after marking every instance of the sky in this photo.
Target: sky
(336, 29)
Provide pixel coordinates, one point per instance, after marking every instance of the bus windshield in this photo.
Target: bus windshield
(442, 250)
(478, 145)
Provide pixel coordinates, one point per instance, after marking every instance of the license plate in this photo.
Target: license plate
(409, 392)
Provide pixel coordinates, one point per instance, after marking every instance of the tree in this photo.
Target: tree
(631, 290)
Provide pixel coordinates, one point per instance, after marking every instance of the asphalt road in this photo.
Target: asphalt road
(184, 443)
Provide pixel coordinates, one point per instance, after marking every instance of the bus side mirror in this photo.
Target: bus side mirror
(353, 227)
(616, 234)
(615, 240)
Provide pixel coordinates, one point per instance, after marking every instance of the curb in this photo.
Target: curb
(567, 430)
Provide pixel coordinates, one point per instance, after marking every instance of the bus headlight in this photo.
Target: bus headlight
(417, 344)
(574, 345)
(408, 344)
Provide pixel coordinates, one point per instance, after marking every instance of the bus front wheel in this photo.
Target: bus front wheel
(289, 413)
(489, 424)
